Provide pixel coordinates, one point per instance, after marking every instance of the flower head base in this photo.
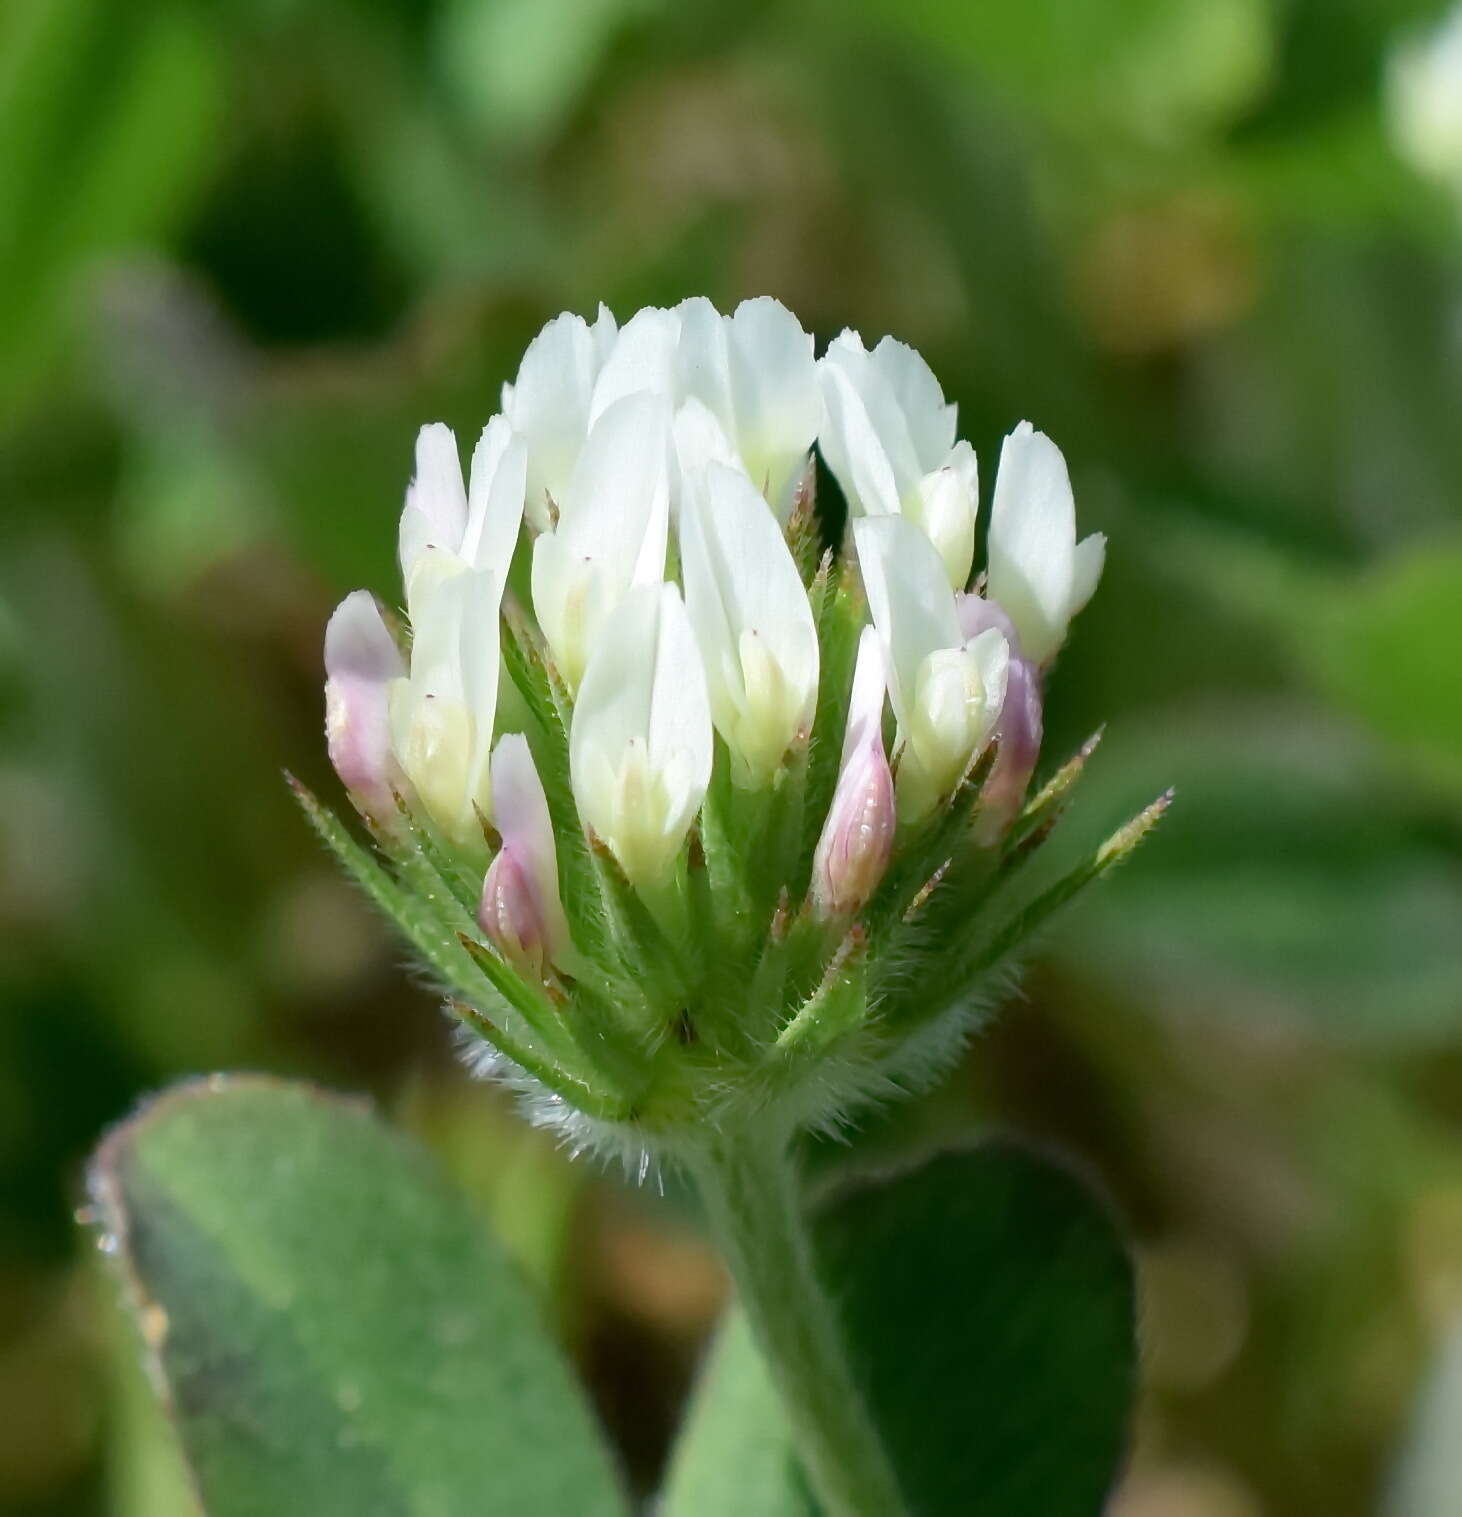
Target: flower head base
(713, 825)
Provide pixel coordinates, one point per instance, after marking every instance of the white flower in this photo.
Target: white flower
(751, 618)
(442, 714)
(1038, 573)
(446, 527)
(856, 842)
(361, 661)
(743, 387)
(889, 439)
(946, 692)
(520, 910)
(1424, 101)
(611, 533)
(548, 404)
(640, 745)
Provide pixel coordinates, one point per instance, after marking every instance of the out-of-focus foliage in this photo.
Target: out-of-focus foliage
(246, 246)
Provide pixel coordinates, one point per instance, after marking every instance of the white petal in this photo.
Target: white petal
(991, 654)
(616, 508)
(909, 599)
(743, 593)
(847, 356)
(1090, 559)
(549, 406)
(1032, 541)
(495, 498)
(931, 422)
(700, 439)
(680, 711)
(945, 507)
(604, 332)
(640, 742)
(853, 450)
(358, 643)
(643, 358)
(442, 717)
(775, 396)
(435, 513)
(612, 528)
(702, 369)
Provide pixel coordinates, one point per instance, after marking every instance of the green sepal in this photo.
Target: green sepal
(425, 874)
(435, 941)
(1051, 797)
(532, 1004)
(804, 531)
(958, 978)
(837, 1006)
(426, 844)
(577, 1091)
(944, 844)
(723, 849)
(651, 959)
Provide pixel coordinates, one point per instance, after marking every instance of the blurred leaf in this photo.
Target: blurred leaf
(1386, 651)
(108, 121)
(518, 67)
(989, 1308)
(1153, 67)
(1428, 1477)
(334, 1331)
(146, 1475)
(1291, 886)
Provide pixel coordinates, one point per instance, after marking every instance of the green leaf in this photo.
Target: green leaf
(333, 1330)
(989, 1310)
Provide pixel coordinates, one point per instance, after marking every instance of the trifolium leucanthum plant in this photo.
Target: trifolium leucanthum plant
(710, 826)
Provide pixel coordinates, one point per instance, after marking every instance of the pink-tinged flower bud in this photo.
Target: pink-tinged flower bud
(520, 910)
(857, 837)
(361, 661)
(1021, 723)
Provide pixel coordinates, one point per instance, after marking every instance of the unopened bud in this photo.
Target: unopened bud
(511, 914)
(361, 660)
(520, 910)
(1020, 727)
(857, 837)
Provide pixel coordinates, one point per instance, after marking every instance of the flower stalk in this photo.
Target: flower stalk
(749, 1185)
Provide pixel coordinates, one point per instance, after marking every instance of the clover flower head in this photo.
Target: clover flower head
(695, 813)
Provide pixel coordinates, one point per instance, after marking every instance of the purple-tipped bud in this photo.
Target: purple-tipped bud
(857, 837)
(1021, 723)
(361, 660)
(520, 910)
(511, 914)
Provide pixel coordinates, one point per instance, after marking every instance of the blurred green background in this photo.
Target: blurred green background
(247, 246)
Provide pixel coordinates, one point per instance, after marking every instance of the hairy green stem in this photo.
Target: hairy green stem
(750, 1188)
